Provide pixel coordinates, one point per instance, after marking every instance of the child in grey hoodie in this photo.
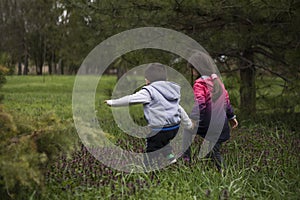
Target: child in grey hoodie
(160, 99)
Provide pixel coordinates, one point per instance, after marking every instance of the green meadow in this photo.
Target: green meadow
(262, 155)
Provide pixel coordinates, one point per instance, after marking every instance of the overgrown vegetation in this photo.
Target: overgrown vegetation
(257, 48)
(32, 135)
(3, 72)
(37, 160)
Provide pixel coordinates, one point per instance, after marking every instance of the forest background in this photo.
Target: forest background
(255, 44)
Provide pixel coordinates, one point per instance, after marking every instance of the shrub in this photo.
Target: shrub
(3, 71)
(24, 155)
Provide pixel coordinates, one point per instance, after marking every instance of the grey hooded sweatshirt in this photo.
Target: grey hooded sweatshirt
(161, 104)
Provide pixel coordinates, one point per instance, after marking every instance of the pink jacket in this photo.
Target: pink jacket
(205, 94)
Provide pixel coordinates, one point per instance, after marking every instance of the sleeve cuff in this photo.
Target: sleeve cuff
(234, 116)
(109, 102)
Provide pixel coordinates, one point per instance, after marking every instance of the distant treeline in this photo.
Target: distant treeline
(248, 39)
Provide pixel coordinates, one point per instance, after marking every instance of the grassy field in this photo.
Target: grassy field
(262, 155)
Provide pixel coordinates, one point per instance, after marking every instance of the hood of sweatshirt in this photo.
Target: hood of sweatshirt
(169, 90)
(163, 109)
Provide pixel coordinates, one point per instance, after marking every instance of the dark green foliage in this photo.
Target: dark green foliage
(26, 153)
(3, 71)
(256, 37)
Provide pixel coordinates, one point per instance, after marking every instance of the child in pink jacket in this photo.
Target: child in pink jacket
(212, 110)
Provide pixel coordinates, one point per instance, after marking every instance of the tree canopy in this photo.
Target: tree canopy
(251, 37)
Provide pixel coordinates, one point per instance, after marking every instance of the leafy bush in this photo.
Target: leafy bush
(3, 71)
(24, 155)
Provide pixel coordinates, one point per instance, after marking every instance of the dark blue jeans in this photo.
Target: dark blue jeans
(213, 154)
(160, 140)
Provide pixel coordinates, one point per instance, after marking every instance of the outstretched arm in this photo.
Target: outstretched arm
(141, 96)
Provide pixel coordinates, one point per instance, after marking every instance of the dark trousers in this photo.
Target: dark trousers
(216, 156)
(160, 140)
(213, 154)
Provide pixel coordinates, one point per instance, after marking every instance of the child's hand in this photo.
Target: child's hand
(108, 102)
(234, 123)
(194, 124)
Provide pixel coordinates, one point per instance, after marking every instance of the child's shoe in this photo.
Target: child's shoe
(171, 158)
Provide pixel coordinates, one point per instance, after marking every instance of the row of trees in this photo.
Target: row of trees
(250, 35)
(31, 34)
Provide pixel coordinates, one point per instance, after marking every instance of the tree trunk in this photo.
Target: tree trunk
(247, 87)
(19, 68)
(36, 66)
(25, 70)
(51, 63)
(62, 67)
(40, 69)
(122, 67)
(55, 68)
(40, 57)
(50, 67)
(120, 72)
(56, 65)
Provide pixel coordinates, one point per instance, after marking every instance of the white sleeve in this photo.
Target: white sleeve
(185, 120)
(141, 96)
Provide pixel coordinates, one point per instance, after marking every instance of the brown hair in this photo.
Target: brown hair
(205, 65)
(202, 62)
(156, 72)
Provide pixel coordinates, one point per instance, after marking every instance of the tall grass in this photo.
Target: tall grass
(262, 156)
